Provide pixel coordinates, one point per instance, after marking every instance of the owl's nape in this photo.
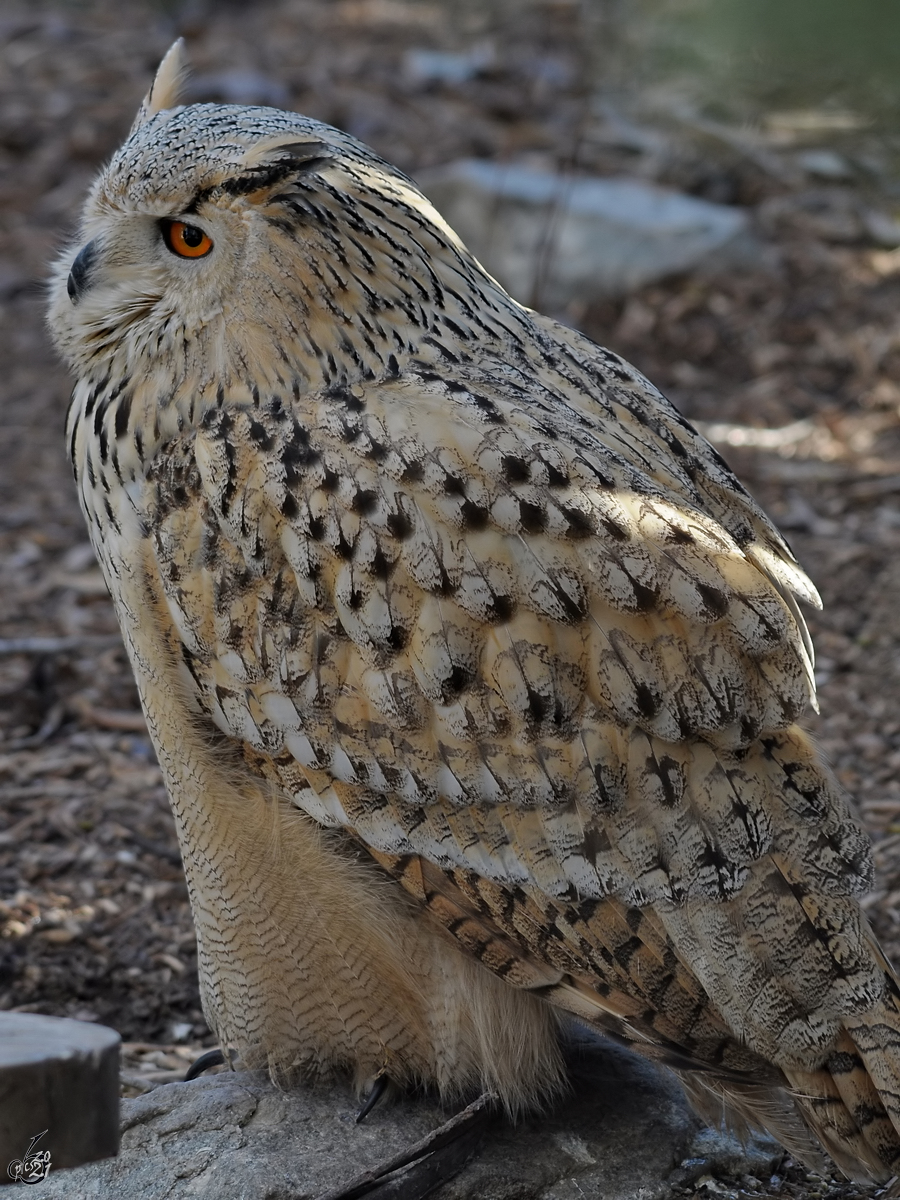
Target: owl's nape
(472, 671)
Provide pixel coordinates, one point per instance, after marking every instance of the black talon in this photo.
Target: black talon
(212, 1058)
(379, 1087)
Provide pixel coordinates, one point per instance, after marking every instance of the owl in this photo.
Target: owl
(472, 671)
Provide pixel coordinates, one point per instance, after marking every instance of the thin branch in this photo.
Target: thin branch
(434, 1160)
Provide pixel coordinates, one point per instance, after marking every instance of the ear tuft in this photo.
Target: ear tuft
(168, 85)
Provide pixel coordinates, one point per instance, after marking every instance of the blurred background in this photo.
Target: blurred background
(711, 187)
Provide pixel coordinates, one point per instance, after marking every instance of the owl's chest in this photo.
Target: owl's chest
(111, 445)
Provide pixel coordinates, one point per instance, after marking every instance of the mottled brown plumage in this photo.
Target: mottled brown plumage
(472, 670)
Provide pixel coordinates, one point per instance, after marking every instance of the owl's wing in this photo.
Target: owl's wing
(541, 655)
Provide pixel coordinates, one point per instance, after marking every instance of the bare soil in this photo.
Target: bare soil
(792, 365)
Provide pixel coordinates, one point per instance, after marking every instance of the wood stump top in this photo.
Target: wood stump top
(59, 1094)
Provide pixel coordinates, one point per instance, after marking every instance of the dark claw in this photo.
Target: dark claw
(379, 1087)
(212, 1058)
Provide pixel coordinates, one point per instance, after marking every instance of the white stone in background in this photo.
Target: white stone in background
(881, 228)
(825, 164)
(550, 239)
(238, 87)
(437, 66)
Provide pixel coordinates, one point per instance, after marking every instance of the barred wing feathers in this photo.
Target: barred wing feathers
(533, 646)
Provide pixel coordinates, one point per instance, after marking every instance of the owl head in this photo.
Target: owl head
(224, 242)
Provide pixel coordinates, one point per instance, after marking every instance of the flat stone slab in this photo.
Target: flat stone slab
(550, 238)
(624, 1133)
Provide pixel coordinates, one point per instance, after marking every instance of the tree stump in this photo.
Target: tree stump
(59, 1094)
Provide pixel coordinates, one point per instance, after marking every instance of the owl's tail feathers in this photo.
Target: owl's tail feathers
(857, 1091)
(851, 1105)
(841, 1105)
(744, 1108)
(625, 980)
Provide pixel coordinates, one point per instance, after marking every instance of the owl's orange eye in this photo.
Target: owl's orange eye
(187, 241)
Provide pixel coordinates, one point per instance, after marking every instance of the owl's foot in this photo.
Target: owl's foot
(212, 1058)
(379, 1089)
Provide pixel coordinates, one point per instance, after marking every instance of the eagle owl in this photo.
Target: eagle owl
(472, 671)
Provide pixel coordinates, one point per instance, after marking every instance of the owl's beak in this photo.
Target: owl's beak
(80, 274)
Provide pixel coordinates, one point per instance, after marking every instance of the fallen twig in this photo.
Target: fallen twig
(428, 1163)
(124, 720)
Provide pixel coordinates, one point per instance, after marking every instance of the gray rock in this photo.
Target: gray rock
(550, 239)
(625, 1133)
